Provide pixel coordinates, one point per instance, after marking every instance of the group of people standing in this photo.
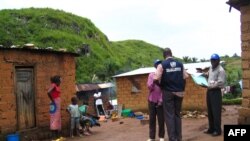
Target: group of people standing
(166, 90)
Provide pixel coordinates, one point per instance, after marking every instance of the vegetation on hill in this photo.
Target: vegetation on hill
(233, 69)
(100, 58)
(47, 27)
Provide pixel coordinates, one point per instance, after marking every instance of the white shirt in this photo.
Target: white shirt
(98, 102)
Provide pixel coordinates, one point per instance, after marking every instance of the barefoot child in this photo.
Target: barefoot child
(74, 117)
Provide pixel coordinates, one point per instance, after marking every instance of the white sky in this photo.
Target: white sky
(194, 28)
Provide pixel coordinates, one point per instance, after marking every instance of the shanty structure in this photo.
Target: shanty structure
(132, 91)
(85, 92)
(24, 80)
(243, 6)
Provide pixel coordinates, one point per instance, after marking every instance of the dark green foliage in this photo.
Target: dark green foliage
(234, 75)
(47, 27)
(236, 101)
(233, 69)
(228, 96)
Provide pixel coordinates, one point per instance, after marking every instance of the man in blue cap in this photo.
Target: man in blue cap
(216, 81)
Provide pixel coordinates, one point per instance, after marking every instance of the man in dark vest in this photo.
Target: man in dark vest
(171, 75)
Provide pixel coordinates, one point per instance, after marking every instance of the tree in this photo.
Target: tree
(235, 55)
(107, 70)
(203, 60)
(194, 59)
(186, 59)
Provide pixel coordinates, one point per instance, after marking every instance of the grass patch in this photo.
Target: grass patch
(235, 101)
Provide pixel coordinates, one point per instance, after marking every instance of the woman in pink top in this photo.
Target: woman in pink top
(54, 94)
(155, 107)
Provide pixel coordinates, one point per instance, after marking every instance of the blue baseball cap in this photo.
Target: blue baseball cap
(215, 57)
(157, 62)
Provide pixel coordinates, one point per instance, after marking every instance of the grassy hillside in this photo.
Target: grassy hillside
(233, 69)
(135, 53)
(47, 27)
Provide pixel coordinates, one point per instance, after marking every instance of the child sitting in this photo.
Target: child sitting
(87, 120)
(73, 109)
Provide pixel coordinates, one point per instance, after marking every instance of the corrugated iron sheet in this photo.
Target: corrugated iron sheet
(190, 67)
(89, 87)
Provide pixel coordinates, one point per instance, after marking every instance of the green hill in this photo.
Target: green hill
(233, 69)
(47, 27)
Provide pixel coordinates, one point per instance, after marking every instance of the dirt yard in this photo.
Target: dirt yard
(131, 129)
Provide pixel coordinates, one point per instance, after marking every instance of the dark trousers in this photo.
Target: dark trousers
(214, 106)
(172, 113)
(156, 111)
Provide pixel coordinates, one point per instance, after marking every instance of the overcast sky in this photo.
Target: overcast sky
(194, 28)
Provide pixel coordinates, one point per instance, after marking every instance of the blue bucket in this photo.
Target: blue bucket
(140, 117)
(13, 137)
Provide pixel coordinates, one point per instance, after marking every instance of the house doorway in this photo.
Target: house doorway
(25, 97)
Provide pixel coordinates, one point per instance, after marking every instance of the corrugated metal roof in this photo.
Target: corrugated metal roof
(89, 87)
(190, 67)
(137, 72)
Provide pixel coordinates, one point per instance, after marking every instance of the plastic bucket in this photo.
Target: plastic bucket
(13, 137)
(126, 112)
(140, 117)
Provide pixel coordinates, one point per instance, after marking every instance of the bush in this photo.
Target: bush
(228, 96)
(236, 101)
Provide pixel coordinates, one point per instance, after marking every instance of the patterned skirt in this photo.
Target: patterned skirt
(55, 117)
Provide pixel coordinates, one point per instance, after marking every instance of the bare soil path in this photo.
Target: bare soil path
(131, 129)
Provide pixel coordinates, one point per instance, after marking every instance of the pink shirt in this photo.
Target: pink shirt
(155, 94)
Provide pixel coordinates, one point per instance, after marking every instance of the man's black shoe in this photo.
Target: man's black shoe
(208, 132)
(216, 134)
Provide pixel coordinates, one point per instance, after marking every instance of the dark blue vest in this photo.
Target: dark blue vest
(172, 76)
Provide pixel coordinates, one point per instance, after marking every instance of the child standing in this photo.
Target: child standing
(74, 117)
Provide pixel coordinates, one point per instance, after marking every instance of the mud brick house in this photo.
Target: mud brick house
(244, 7)
(132, 91)
(85, 92)
(24, 80)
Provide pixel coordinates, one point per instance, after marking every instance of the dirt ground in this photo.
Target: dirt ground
(131, 129)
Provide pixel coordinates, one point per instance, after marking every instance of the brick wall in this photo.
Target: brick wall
(244, 111)
(134, 101)
(195, 96)
(45, 65)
